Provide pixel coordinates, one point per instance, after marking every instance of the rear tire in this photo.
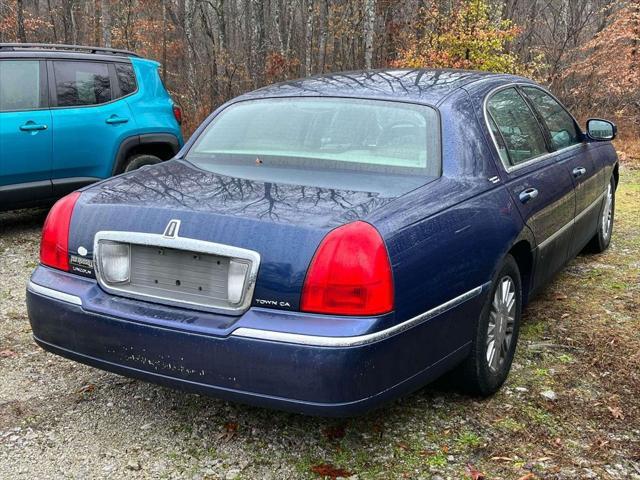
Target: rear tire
(496, 336)
(601, 240)
(136, 161)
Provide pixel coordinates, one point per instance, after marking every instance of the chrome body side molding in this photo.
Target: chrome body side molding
(570, 224)
(322, 341)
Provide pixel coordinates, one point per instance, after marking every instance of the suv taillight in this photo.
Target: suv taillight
(350, 274)
(177, 113)
(54, 246)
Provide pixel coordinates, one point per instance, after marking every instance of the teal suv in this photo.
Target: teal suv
(70, 116)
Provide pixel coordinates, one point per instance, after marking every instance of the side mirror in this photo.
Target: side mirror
(601, 130)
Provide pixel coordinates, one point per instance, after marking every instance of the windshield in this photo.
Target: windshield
(320, 136)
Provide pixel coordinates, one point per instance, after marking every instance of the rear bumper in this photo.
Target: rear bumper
(275, 371)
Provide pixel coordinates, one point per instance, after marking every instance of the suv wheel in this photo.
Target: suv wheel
(137, 161)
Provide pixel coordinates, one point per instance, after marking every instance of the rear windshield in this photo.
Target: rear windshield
(322, 134)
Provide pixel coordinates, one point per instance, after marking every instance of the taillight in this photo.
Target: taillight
(350, 274)
(177, 112)
(54, 246)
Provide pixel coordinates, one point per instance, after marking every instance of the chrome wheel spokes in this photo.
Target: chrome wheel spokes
(502, 319)
(607, 213)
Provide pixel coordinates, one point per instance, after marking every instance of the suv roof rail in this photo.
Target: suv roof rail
(75, 48)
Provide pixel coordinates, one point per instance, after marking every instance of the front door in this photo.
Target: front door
(25, 131)
(537, 178)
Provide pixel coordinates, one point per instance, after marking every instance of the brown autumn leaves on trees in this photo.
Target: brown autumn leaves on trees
(212, 50)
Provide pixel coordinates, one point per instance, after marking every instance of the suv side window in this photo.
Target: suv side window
(126, 78)
(20, 80)
(518, 126)
(561, 125)
(82, 83)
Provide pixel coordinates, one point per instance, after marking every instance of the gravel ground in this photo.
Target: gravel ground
(570, 409)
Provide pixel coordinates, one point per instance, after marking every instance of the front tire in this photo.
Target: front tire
(496, 336)
(601, 240)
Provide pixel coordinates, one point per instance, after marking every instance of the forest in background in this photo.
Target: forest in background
(585, 51)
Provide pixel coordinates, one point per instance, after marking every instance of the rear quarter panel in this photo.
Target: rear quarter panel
(449, 236)
(151, 105)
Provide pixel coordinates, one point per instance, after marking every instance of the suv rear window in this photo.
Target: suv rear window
(20, 80)
(82, 83)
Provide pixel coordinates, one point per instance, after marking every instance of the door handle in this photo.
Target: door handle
(579, 171)
(115, 120)
(32, 127)
(528, 194)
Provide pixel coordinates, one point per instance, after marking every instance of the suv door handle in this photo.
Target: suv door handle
(32, 127)
(528, 194)
(579, 171)
(114, 120)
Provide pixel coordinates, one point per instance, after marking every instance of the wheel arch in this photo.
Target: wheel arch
(162, 145)
(522, 252)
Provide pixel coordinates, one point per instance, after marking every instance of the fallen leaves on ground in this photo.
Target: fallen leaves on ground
(474, 473)
(616, 412)
(87, 388)
(7, 353)
(335, 432)
(328, 470)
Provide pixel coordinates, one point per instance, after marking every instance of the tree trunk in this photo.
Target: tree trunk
(105, 10)
(308, 39)
(67, 7)
(22, 36)
(324, 31)
(369, 24)
(277, 26)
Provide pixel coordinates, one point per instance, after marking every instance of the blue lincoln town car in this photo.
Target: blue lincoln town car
(324, 245)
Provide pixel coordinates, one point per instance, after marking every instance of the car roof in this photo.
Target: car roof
(428, 86)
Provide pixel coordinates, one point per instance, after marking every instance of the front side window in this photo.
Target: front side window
(19, 85)
(560, 124)
(518, 126)
(82, 83)
(323, 134)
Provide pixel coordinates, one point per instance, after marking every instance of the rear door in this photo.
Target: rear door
(567, 138)
(90, 121)
(25, 131)
(537, 178)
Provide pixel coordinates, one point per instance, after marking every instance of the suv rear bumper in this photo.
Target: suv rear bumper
(305, 378)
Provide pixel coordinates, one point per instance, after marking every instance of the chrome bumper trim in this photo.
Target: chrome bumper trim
(320, 341)
(55, 294)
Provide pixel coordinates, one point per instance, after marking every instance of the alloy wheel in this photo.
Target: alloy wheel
(607, 213)
(501, 323)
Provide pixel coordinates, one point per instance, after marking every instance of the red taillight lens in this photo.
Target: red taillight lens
(177, 112)
(54, 247)
(350, 274)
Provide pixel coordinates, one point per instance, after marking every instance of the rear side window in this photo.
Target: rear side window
(517, 125)
(82, 83)
(560, 124)
(20, 81)
(126, 78)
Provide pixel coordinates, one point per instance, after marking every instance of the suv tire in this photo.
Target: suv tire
(136, 161)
